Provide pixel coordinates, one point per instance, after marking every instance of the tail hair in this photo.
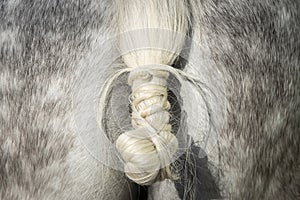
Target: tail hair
(148, 148)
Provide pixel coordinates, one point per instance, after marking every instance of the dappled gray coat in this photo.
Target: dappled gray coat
(254, 45)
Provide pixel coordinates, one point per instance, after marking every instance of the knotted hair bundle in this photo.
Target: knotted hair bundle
(148, 148)
(151, 144)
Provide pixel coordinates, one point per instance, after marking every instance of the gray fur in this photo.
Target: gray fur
(41, 156)
(254, 44)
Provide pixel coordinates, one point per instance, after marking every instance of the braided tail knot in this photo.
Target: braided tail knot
(148, 149)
